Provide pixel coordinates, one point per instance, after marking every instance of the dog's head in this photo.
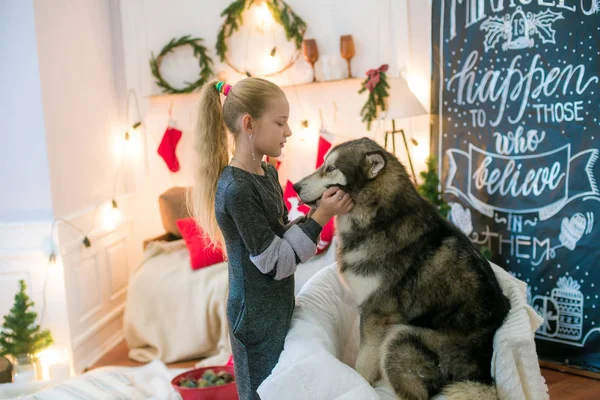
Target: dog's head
(357, 167)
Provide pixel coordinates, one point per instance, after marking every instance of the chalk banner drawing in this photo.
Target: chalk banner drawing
(516, 129)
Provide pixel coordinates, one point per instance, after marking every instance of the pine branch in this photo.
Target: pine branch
(375, 100)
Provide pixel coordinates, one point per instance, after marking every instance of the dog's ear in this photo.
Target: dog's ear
(373, 163)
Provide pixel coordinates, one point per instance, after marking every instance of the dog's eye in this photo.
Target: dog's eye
(329, 169)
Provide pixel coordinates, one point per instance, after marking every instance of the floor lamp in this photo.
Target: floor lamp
(402, 104)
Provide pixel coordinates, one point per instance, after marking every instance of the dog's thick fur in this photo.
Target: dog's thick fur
(429, 302)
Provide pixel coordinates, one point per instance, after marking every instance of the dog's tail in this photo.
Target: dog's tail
(470, 391)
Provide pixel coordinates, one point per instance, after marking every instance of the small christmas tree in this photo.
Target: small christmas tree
(429, 187)
(20, 336)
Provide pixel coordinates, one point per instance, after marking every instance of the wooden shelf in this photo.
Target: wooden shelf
(305, 84)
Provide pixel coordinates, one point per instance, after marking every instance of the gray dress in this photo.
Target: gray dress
(264, 249)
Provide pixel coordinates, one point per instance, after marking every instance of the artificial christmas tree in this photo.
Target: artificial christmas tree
(20, 336)
(429, 187)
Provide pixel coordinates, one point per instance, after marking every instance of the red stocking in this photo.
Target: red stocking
(326, 140)
(167, 147)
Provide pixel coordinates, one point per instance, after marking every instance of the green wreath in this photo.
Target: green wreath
(205, 63)
(294, 27)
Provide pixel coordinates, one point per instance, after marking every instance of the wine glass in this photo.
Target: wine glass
(311, 54)
(347, 50)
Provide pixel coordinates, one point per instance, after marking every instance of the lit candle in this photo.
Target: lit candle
(48, 358)
(24, 372)
(59, 372)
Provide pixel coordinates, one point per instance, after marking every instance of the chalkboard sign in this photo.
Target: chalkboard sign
(516, 116)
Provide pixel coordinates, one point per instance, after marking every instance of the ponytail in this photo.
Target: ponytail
(211, 156)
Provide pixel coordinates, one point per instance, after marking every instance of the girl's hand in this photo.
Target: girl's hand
(333, 202)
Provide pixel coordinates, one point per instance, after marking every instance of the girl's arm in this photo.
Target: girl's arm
(272, 255)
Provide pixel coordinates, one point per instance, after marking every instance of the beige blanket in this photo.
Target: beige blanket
(174, 313)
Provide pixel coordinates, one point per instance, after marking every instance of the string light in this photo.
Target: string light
(134, 127)
(303, 128)
(270, 64)
(263, 15)
(111, 220)
(115, 213)
(421, 152)
(123, 143)
(112, 215)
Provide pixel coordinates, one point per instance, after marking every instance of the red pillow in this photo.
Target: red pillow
(295, 210)
(292, 202)
(202, 254)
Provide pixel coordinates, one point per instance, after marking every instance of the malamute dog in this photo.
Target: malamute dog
(429, 302)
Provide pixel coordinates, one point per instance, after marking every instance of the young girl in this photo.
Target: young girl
(239, 204)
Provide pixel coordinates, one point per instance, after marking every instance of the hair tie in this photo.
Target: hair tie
(222, 87)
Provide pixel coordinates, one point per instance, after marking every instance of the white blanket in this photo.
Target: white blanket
(320, 349)
(174, 313)
(149, 382)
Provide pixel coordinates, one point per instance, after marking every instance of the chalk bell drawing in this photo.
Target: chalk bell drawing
(520, 29)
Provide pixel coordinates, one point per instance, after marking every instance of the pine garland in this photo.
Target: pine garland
(378, 92)
(200, 52)
(20, 335)
(294, 26)
(429, 187)
(233, 21)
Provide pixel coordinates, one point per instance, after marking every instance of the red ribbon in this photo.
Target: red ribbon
(374, 76)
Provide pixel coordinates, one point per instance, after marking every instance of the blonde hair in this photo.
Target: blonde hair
(248, 96)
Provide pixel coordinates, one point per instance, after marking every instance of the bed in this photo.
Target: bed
(174, 313)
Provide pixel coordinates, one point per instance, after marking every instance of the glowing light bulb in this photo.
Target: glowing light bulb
(420, 151)
(112, 216)
(271, 63)
(263, 16)
(303, 129)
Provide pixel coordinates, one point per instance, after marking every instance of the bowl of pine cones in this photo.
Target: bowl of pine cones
(209, 383)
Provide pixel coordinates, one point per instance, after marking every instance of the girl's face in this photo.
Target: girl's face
(271, 130)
